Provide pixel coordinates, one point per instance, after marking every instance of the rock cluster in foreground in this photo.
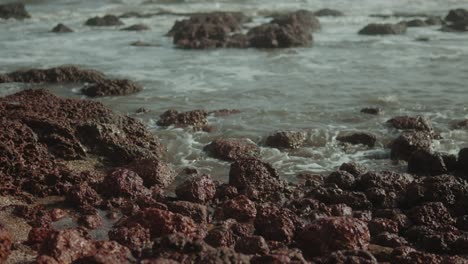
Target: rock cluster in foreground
(352, 216)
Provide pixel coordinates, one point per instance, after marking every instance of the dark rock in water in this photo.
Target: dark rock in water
(328, 12)
(238, 41)
(416, 23)
(462, 165)
(460, 26)
(418, 123)
(210, 30)
(286, 139)
(434, 21)
(200, 189)
(51, 129)
(62, 74)
(457, 15)
(383, 29)
(136, 27)
(408, 143)
(105, 21)
(366, 139)
(196, 119)
(354, 168)
(232, 149)
(371, 111)
(304, 19)
(326, 235)
(61, 28)
(277, 36)
(423, 162)
(13, 10)
(460, 124)
(5, 244)
(111, 88)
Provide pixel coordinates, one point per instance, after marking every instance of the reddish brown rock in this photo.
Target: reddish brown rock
(354, 168)
(91, 221)
(200, 189)
(5, 244)
(56, 214)
(389, 240)
(254, 178)
(326, 235)
(13, 10)
(286, 139)
(153, 171)
(252, 245)
(418, 123)
(220, 236)
(275, 224)
(197, 212)
(366, 139)
(340, 210)
(431, 214)
(342, 179)
(240, 208)
(107, 252)
(105, 21)
(37, 236)
(356, 200)
(123, 183)
(409, 142)
(381, 225)
(111, 88)
(135, 237)
(67, 246)
(232, 149)
(62, 74)
(161, 222)
(196, 119)
(440, 240)
(349, 256)
(282, 255)
(83, 195)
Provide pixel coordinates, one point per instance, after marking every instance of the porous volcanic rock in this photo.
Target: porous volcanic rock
(403, 147)
(196, 119)
(366, 139)
(111, 88)
(199, 189)
(418, 123)
(286, 139)
(5, 244)
(232, 149)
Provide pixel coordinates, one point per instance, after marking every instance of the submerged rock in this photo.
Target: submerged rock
(105, 21)
(196, 119)
(372, 111)
(136, 27)
(303, 19)
(328, 12)
(418, 123)
(111, 88)
(232, 149)
(457, 15)
(286, 139)
(366, 139)
(277, 36)
(416, 23)
(13, 10)
(383, 29)
(62, 74)
(61, 28)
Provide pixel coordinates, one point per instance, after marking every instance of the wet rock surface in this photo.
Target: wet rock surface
(61, 28)
(112, 88)
(232, 149)
(136, 27)
(417, 123)
(105, 21)
(13, 10)
(328, 12)
(196, 119)
(383, 29)
(286, 139)
(403, 147)
(358, 138)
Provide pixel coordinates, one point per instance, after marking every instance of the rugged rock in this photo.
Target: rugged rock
(136, 27)
(240, 208)
(232, 149)
(200, 189)
(254, 178)
(105, 21)
(123, 183)
(457, 15)
(286, 139)
(62, 74)
(328, 12)
(91, 221)
(366, 139)
(431, 214)
(231, 21)
(68, 245)
(383, 29)
(161, 223)
(301, 18)
(462, 164)
(196, 119)
(13, 10)
(354, 168)
(349, 256)
(5, 244)
(108, 252)
(326, 235)
(136, 237)
(111, 88)
(403, 147)
(83, 195)
(197, 212)
(417, 123)
(279, 36)
(382, 225)
(275, 224)
(252, 245)
(153, 171)
(416, 23)
(61, 28)
(423, 162)
(342, 179)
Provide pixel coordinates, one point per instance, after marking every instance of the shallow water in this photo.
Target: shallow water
(319, 89)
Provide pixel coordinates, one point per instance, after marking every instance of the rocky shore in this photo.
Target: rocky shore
(81, 183)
